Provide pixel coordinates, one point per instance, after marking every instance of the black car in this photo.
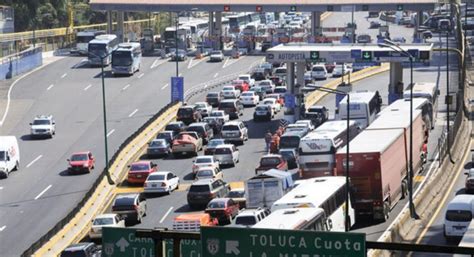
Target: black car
(85, 249)
(176, 126)
(317, 114)
(203, 191)
(215, 123)
(213, 99)
(168, 135)
(188, 114)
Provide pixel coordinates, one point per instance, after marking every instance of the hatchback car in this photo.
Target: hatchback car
(213, 98)
(139, 171)
(161, 182)
(105, 220)
(212, 144)
(81, 162)
(263, 112)
(201, 192)
(235, 131)
(158, 147)
(249, 98)
(132, 207)
(233, 107)
(204, 161)
(222, 209)
(226, 154)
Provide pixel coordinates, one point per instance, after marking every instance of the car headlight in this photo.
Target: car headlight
(85, 165)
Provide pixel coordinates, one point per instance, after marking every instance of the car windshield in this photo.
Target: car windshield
(265, 83)
(185, 111)
(122, 58)
(230, 127)
(216, 204)
(287, 154)
(261, 108)
(204, 173)
(199, 188)
(172, 127)
(268, 102)
(163, 135)
(223, 151)
(217, 114)
(216, 52)
(318, 68)
(139, 166)
(316, 110)
(41, 122)
(200, 105)
(247, 94)
(228, 89)
(79, 157)
(236, 194)
(226, 105)
(155, 177)
(458, 215)
(280, 90)
(203, 160)
(245, 220)
(212, 95)
(103, 221)
(269, 161)
(243, 78)
(215, 143)
(156, 143)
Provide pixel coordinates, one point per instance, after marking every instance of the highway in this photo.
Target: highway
(41, 193)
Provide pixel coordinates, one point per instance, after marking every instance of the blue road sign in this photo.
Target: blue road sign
(177, 89)
(356, 53)
(290, 101)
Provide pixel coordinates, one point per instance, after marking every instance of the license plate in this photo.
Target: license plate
(139, 176)
(153, 185)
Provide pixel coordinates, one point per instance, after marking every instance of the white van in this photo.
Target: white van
(458, 216)
(9, 155)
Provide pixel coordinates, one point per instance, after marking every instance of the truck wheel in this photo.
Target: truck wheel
(17, 166)
(386, 210)
(404, 189)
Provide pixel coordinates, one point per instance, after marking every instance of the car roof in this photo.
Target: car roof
(250, 211)
(141, 162)
(160, 139)
(221, 199)
(232, 123)
(229, 101)
(128, 195)
(106, 215)
(203, 182)
(84, 152)
(271, 155)
(43, 117)
(217, 139)
(159, 173)
(204, 156)
(262, 105)
(197, 124)
(225, 146)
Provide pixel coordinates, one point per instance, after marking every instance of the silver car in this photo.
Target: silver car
(226, 154)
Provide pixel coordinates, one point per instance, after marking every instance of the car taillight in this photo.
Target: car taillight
(377, 203)
(163, 184)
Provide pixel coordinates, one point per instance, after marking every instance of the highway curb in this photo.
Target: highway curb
(104, 193)
(406, 229)
(316, 95)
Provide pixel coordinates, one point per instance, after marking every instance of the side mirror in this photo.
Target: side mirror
(54, 123)
(466, 173)
(31, 123)
(8, 158)
(68, 160)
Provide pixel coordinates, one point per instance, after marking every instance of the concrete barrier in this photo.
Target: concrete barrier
(13, 65)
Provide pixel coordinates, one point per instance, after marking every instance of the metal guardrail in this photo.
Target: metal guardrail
(56, 228)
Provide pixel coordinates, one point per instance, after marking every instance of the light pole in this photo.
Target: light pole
(104, 110)
(398, 49)
(347, 224)
(176, 44)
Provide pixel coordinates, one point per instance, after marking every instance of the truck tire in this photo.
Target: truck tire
(386, 210)
(404, 189)
(17, 166)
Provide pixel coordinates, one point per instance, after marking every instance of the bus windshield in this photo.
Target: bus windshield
(84, 39)
(97, 50)
(289, 142)
(122, 58)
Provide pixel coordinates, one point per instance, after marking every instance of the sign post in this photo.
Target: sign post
(244, 242)
(177, 89)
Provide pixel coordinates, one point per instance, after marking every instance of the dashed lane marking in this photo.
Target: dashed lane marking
(110, 132)
(42, 192)
(33, 161)
(3, 228)
(50, 86)
(215, 75)
(133, 113)
(125, 87)
(88, 86)
(64, 75)
(165, 86)
(141, 75)
(166, 214)
(418, 178)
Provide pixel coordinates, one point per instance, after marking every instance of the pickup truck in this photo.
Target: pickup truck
(187, 142)
(271, 161)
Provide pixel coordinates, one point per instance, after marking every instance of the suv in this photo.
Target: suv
(86, 249)
(203, 130)
(318, 71)
(213, 98)
(318, 114)
(176, 126)
(203, 191)
(233, 131)
(188, 114)
(233, 107)
(43, 126)
(250, 217)
(263, 112)
(130, 206)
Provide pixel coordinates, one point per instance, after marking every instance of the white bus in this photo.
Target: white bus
(327, 193)
(184, 38)
(82, 40)
(317, 150)
(238, 22)
(363, 108)
(295, 219)
(102, 47)
(427, 110)
(126, 59)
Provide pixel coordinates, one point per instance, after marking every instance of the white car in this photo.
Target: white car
(267, 85)
(227, 154)
(216, 56)
(337, 72)
(273, 103)
(43, 126)
(204, 108)
(205, 161)
(209, 173)
(249, 98)
(220, 115)
(105, 220)
(247, 78)
(318, 71)
(230, 92)
(306, 123)
(161, 182)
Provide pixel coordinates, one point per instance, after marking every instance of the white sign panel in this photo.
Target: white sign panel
(287, 57)
(332, 56)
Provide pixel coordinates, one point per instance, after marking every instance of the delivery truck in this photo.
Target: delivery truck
(266, 188)
(9, 155)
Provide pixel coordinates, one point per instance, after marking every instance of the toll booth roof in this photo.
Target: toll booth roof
(299, 47)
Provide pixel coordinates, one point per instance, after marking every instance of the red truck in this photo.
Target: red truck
(379, 162)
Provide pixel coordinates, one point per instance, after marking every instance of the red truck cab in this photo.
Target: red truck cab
(139, 171)
(81, 162)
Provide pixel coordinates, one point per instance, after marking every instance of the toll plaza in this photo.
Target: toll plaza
(297, 56)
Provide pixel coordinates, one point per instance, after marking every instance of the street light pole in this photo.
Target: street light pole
(176, 44)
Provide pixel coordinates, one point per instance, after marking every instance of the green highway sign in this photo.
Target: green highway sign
(244, 242)
(118, 242)
(399, 7)
(313, 55)
(366, 55)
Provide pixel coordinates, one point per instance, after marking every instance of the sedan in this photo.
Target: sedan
(204, 108)
(249, 98)
(105, 220)
(230, 92)
(158, 147)
(139, 171)
(161, 182)
(212, 144)
(209, 173)
(216, 56)
(204, 161)
(273, 103)
(223, 209)
(220, 115)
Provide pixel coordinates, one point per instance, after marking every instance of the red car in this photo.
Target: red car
(330, 66)
(222, 209)
(139, 171)
(81, 162)
(241, 85)
(272, 161)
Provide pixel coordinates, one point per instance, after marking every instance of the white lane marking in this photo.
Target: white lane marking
(225, 63)
(110, 132)
(33, 161)
(131, 114)
(125, 87)
(194, 62)
(9, 94)
(205, 86)
(1, 188)
(42, 192)
(165, 86)
(2, 228)
(89, 86)
(166, 214)
(50, 86)
(64, 75)
(157, 63)
(141, 75)
(190, 64)
(215, 75)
